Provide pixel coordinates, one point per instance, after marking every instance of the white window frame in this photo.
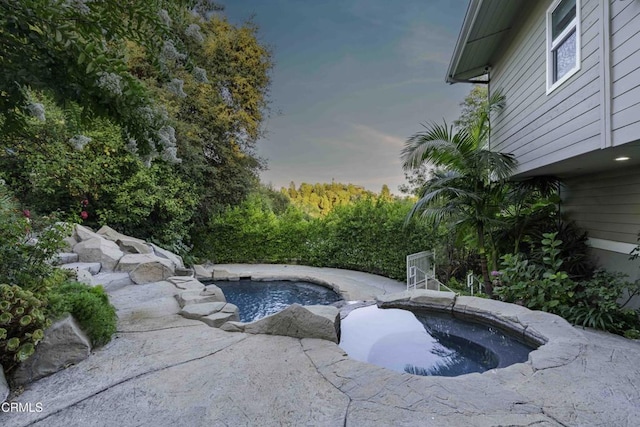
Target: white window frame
(553, 44)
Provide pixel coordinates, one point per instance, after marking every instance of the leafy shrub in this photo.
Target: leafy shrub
(538, 287)
(596, 303)
(592, 302)
(27, 244)
(89, 305)
(574, 250)
(22, 324)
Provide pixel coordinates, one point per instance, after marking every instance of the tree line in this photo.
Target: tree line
(144, 116)
(321, 198)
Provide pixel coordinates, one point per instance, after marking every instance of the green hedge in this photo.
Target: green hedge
(368, 235)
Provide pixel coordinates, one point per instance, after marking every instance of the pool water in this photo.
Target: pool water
(426, 343)
(256, 299)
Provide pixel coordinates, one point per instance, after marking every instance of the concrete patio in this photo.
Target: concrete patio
(164, 370)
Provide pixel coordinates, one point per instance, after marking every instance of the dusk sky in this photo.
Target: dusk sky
(353, 79)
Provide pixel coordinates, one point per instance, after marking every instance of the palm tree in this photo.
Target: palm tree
(468, 184)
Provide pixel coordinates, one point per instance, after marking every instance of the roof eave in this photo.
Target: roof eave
(463, 38)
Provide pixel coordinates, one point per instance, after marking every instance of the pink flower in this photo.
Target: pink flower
(27, 213)
(84, 214)
(85, 202)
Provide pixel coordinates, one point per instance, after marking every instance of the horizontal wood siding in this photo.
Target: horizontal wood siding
(607, 204)
(625, 71)
(538, 128)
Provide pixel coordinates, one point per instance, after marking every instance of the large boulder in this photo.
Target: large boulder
(91, 267)
(4, 387)
(163, 253)
(65, 257)
(84, 276)
(146, 268)
(84, 233)
(127, 244)
(186, 283)
(111, 281)
(64, 344)
(99, 250)
(300, 322)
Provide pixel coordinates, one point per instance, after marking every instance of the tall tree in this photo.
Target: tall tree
(186, 90)
(469, 180)
(76, 50)
(472, 107)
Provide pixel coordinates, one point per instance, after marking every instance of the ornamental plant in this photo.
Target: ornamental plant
(89, 306)
(22, 324)
(595, 302)
(539, 287)
(28, 243)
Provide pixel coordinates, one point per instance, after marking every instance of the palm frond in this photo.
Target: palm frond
(544, 185)
(436, 214)
(434, 145)
(498, 166)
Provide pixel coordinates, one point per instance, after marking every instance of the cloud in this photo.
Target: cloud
(426, 43)
(374, 136)
(411, 82)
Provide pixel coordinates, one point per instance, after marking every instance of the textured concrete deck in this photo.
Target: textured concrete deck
(164, 370)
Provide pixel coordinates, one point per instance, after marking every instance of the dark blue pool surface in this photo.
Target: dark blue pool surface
(427, 343)
(256, 299)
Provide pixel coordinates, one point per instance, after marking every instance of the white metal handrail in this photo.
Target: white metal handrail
(419, 269)
(421, 272)
(471, 279)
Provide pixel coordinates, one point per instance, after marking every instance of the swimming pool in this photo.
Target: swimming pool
(256, 299)
(427, 343)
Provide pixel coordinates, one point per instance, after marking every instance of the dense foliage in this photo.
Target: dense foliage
(26, 245)
(104, 180)
(546, 286)
(218, 119)
(469, 182)
(367, 234)
(89, 306)
(320, 199)
(544, 262)
(29, 283)
(370, 235)
(76, 50)
(141, 116)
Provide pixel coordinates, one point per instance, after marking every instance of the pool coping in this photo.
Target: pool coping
(558, 342)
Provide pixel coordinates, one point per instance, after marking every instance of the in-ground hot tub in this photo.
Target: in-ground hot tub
(427, 343)
(257, 299)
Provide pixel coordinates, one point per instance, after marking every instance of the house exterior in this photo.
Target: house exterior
(570, 72)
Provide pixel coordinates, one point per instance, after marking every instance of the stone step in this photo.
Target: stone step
(65, 258)
(91, 267)
(112, 281)
(214, 314)
(216, 320)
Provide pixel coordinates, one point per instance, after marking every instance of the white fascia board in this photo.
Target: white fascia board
(463, 37)
(611, 245)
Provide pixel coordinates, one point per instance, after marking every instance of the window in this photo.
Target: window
(563, 41)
